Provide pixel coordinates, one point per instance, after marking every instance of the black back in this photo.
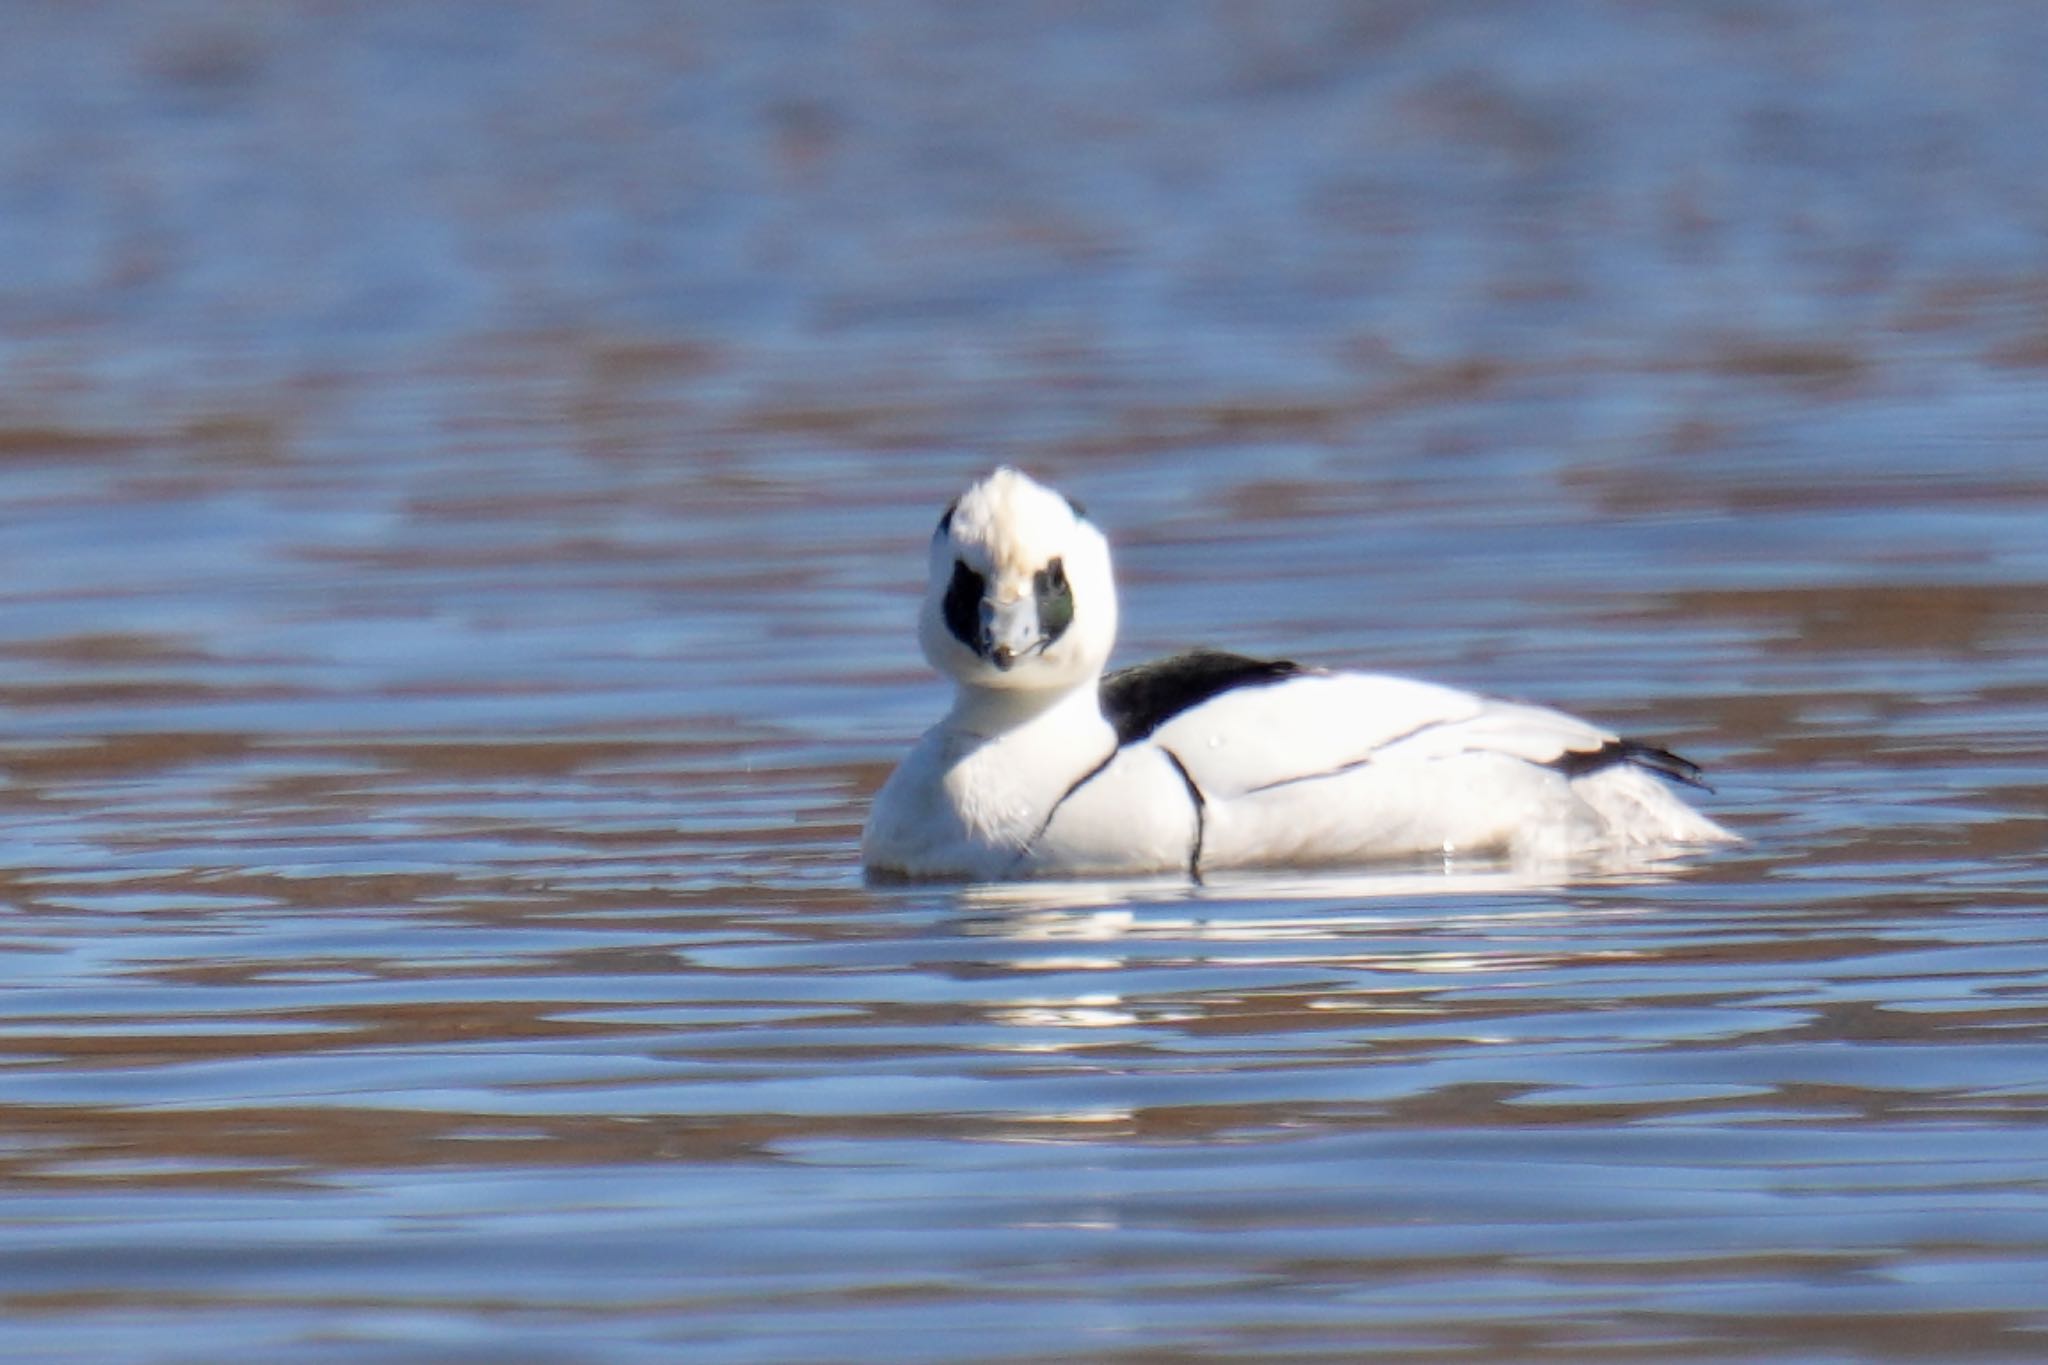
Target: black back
(1139, 700)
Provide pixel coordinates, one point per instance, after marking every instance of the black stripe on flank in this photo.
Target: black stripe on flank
(1649, 757)
(1201, 814)
(1139, 700)
(1572, 763)
(1355, 763)
(1043, 825)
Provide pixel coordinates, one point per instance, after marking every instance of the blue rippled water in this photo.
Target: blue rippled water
(465, 474)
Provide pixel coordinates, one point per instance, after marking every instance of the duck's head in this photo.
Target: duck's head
(1021, 596)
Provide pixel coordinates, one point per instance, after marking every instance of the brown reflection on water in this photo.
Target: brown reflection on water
(498, 868)
(459, 602)
(1907, 618)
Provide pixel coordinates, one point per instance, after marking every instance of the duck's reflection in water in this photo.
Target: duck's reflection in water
(1238, 905)
(1285, 957)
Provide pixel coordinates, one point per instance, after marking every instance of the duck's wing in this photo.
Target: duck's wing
(1140, 699)
(1274, 733)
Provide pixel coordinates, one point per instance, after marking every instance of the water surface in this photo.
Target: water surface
(466, 474)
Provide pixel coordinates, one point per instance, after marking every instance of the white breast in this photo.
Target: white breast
(1136, 815)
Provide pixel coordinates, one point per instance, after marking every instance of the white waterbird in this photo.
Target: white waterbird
(1047, 767)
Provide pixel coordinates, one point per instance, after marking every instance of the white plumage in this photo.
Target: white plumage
(1207, 761)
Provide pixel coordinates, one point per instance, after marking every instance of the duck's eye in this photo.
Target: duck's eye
(1055, 599)
(963, 605)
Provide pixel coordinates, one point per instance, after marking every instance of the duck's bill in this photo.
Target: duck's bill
(1010, 631)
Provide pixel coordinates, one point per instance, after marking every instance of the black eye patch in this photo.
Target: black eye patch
(963, 605)
(1055, 600)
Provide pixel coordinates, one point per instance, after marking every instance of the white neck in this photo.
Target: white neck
(992, 712)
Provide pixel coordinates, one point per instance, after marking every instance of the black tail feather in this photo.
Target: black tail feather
(1664, 763)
